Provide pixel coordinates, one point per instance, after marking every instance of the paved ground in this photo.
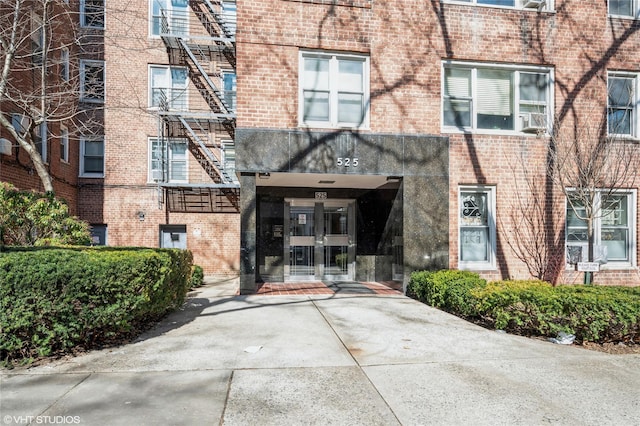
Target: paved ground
(325, 359)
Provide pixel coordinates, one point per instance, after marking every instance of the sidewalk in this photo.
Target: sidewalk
(324, 359)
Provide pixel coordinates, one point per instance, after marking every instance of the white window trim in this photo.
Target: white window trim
(474, 66)
(491, 263)
(83, 16)
(332, 123)
(64, 144)
(151, 87)
(150, 178)
(635, 5)
(84, 139)
(228, 144)
(547, 6)
(64, 63)
(83, 64)
(635, 117)
(152, 16)
(42, 131)
(613, 264)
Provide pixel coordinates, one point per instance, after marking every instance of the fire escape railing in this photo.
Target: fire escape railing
(203, 53)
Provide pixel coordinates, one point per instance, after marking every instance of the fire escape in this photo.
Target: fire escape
(200, 42)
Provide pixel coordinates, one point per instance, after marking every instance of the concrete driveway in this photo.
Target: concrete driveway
(324, 359)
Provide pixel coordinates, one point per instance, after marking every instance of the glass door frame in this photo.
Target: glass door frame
(320, 240)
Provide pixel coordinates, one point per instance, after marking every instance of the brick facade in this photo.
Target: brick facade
(407, 42)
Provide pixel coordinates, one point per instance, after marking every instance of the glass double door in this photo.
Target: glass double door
(320, 240)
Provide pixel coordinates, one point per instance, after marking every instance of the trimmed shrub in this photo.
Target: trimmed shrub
(447, 290)
(197, 276)
(534, 308)
(591, 313)
(55, 299)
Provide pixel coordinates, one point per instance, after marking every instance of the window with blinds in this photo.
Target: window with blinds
(488, 98)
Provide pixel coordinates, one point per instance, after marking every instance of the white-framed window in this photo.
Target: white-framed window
(37, 38)
(614, 228)
(92, 13)
(623, 104)
(64, 144)
(229, 89)
(168, 87)
(92, 156)
(168, 160)
(477, 227)
(535, 5)
(40, 140)
(64, 64)
(229, 158)
(496, 99)
(229, 14)
(92, 79)
(625, 8)
(334, 90)
(22, 124)
(169, 17)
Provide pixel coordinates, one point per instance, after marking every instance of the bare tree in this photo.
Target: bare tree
(590, 161)
(534, 232)
(40, 79)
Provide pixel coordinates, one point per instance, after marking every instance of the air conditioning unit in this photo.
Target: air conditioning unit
(534, 4)
(534, 122)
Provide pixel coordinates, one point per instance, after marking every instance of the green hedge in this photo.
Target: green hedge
(592, 313)
(54, 299)
(446, 290)
(197, 276)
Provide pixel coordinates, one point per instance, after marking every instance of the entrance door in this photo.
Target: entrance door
(173, 236)
(320, 243)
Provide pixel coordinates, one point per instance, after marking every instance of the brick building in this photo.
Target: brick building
(376, 138)
(369, 138)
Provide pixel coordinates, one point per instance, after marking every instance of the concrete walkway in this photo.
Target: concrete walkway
(324, 359)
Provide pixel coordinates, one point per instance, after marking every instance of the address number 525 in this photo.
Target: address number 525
(347, 162)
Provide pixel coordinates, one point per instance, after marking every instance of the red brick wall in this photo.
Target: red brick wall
(125, 191)
(407, 40)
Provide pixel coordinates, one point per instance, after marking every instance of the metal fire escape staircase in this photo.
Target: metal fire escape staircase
(202, 51)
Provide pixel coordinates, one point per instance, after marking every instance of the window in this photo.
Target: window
(496, 99)
(37, 38)
(40, 140)
(92, 156)
(334, 90)
(229, 158)
(92, 75)
(229, 13)
(64, 64)
(64, 144)
(520, 4)
(92, 13)
(477, 227)
(622, 104)
(613, 227)
(169, 17)
(629, 8)
(168, 87)
(229, 85)
(22, 124)
(168, 160)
